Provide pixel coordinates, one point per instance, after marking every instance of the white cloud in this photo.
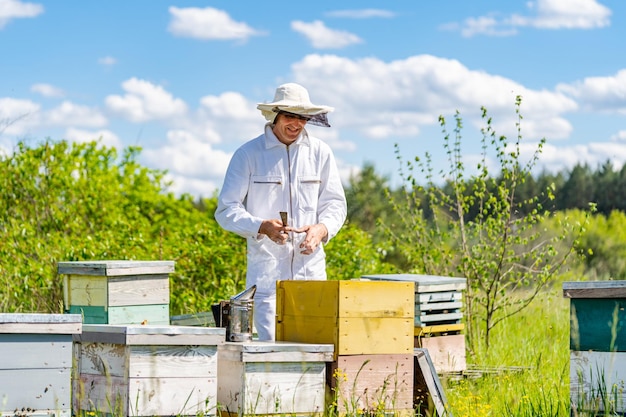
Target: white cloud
(145, 101)
(193, 165)
(208, 24)
(322, 37)
(559, 158)
(397, 98)
(545, 14)
(107, 61)
(361, 13)
(47, 90)
(17, 116)
(104, 137)
(619, 136)
(231, 116)
(606, 94)
(15, 9)
(70, 114)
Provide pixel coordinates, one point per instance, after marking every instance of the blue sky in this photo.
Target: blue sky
(182, 79)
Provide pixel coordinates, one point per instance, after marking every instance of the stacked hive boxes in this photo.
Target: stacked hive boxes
(117, 292)
(597, 347)
(36, 363)
(129, 359)
(370, 325)
(438, 317)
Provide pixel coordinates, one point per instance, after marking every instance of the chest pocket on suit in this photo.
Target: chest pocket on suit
(264, 191)
(308, 192)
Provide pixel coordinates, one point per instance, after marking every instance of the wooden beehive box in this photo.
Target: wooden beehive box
(117, 292)
(357, 317)
(272, 378)
(597, 344)
(364, 384)
(135, 370)
(36, 363)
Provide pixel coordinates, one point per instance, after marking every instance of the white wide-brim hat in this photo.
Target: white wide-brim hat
(293, 98)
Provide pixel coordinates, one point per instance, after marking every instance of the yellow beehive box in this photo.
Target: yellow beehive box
(357, 317)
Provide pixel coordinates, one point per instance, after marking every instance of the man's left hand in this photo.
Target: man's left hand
(315, 234)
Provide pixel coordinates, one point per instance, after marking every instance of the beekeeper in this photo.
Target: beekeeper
(282, 192)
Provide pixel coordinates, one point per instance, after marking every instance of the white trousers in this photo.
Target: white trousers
(265, 316)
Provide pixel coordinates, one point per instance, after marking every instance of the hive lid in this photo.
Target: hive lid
(595, 289)
(423, 283)
(138, 334)
(40, 323)
(115, 267)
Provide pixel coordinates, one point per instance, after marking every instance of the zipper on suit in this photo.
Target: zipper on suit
(293, 246)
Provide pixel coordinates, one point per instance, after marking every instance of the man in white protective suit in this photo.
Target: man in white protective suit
(282, 192)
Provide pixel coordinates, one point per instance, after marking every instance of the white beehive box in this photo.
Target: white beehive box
(281, 378)
(36, 363)
(136, 370)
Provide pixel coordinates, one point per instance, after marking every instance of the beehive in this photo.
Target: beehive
(597, 345)
(272, 378)
(117, 292)
(438, 317)
(135, 370)
(36, 363)
(357, 317)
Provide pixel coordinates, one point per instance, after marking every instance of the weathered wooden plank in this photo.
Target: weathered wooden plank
(424, 283)
(35, 351)
(427, 388)
(147, 396)
(90, 314)
(596, 324)
(115, 268)
(438, 318)
(447, 352)
(595, 289)
(594, 374)
(139, 290)
(40, 323)
(265, 351)
(439, 296)
(87, 290)
(365, 381)
(426, 307)
(37, 389)
(155, 314)
(148, 361)
(133, 334)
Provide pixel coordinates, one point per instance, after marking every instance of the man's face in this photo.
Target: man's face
(288, 126)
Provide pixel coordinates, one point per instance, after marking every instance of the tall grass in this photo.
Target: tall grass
(525, 372)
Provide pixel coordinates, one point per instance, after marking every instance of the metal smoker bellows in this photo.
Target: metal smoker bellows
(240, 322)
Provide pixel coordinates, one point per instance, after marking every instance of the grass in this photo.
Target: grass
(536, 344)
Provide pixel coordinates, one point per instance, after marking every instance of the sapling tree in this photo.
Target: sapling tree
(474, 226)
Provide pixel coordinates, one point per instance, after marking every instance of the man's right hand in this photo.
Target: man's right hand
(275, 230)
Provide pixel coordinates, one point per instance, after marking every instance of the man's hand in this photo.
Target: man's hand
(315, 234)
(275, 230)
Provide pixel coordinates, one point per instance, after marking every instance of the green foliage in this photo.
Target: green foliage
(352, 254)
(477, 228)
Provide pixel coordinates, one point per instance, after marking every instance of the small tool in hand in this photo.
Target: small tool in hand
(283, 218)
